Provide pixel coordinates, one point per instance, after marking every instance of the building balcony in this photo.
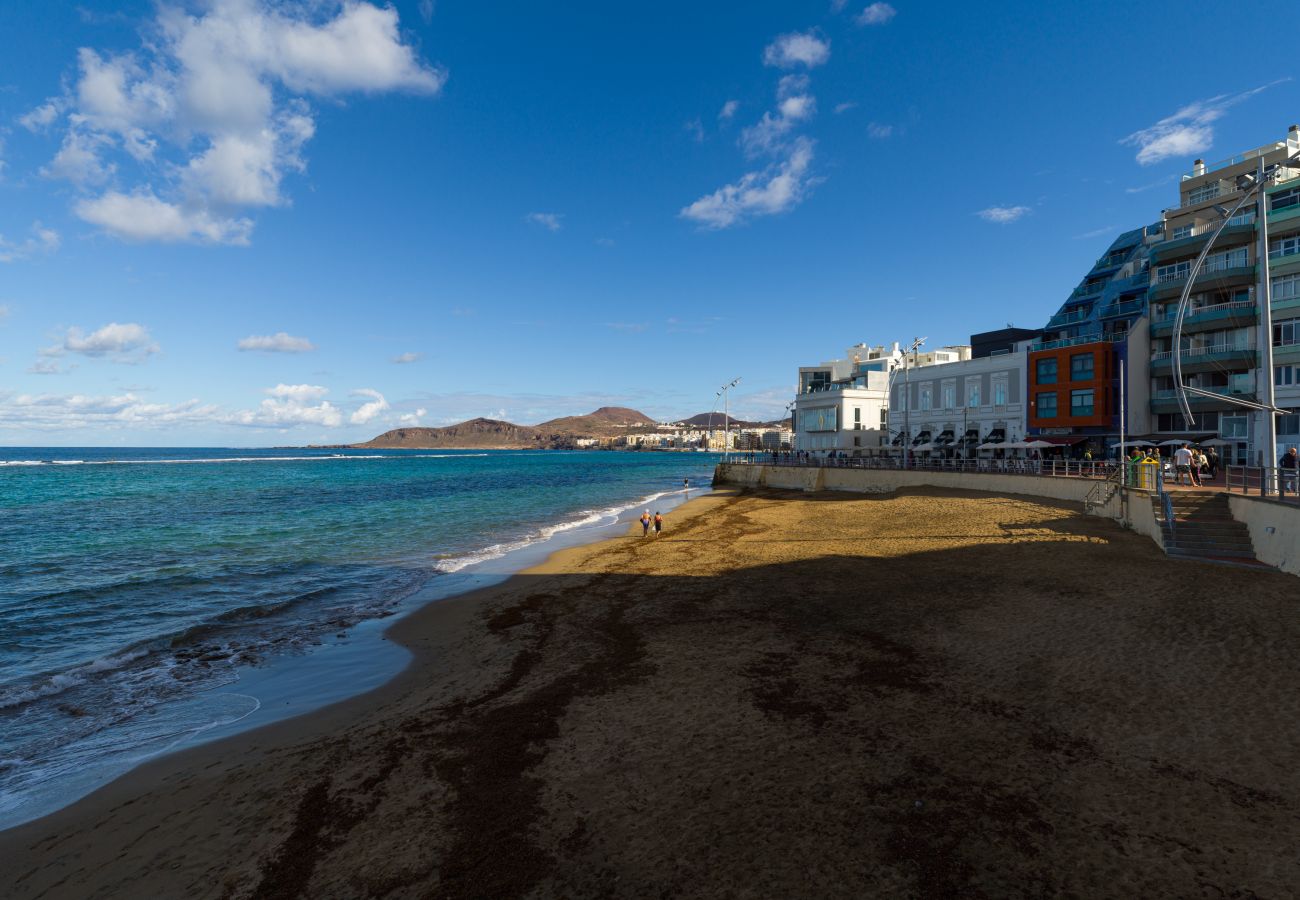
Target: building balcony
(1223, 276)
(1201, 359)
(1166, 401)
(1076, 341)
(1123, 310)
(1172, 248)
(1285, 354)
(1087, 290)
(1061, 319)
(1208, 318)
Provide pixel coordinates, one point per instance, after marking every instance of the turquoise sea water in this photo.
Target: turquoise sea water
(145, 594)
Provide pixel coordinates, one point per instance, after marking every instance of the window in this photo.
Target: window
(884, 418)
(1289, 424)
(1286, 333)
(1203, 193)
(1081, 403)
(1174, 271)
(1205, 421)
(1287, 246)
(999, 393)
(1047, 371)
(1285, 199)
(857, 418)
(949, 396)
(1181, 232)
(973, 394)
(1081, 367)
(1047, 405)
(1241, 383)
(1285, 376)
(1286, 287)
(925, 397)
(1235, 425)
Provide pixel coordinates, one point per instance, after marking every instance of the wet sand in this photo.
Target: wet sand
(922, 694)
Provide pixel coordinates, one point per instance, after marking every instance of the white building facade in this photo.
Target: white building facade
(952, 408)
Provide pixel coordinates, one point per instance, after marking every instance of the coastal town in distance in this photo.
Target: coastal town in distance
(729, 450)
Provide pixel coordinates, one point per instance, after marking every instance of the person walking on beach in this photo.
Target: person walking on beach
(686, 484)
(645, 523)
(659, 523)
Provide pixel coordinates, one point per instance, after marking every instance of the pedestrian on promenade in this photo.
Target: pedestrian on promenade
(1183, 465)
(1202, 465)
(1287, 466)
(659, 523)
(1214, 463)
(645, 523)
(1134, 460)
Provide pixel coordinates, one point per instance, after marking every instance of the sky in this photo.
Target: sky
(272, 222)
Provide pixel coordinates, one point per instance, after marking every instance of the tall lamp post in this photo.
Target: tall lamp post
(907, 402)
(726, 417)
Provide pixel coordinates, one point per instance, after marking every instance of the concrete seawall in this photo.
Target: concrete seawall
(1274, 530)
(1137, 514)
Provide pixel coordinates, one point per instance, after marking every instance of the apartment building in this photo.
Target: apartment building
(843, 404)
(951, 408)
(1223, 330)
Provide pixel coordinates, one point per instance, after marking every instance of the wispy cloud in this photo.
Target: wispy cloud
(1003, 215)
(40, 242)
(788, 51)
(404, 358)
(876, 14)
(880, 132)
(1188, 131)
(776, 189)
(1142, 188)
(549, 221)
(845, 106)
(634, 327)
(368, 410)
(1096, 232)
(280, 342)
(695, 128)
(728, 110)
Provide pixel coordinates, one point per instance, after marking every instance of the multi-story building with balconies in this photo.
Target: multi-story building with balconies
(1223, 329)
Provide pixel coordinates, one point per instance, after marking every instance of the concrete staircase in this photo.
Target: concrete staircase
(1203, 529)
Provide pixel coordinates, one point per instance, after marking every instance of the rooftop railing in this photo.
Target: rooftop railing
(1239, 158)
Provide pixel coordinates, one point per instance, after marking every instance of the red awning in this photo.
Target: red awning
(1064, 440)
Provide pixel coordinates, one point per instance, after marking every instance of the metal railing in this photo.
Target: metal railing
(1049, 468)
(1208, 350)
(1265, 481)
(1171, 312)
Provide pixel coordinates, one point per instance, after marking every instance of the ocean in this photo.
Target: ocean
(154, 598)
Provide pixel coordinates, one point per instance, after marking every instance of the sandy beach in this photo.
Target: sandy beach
(922, 694)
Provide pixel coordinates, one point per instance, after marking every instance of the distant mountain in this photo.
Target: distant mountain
(720, 421)
(476, 434)
(608, 421)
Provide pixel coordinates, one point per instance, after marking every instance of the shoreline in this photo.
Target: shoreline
(348, 664)
(739, 702)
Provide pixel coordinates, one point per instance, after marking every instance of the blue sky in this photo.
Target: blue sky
(248, 222)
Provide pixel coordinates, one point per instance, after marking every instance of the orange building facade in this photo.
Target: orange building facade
(1072, 389)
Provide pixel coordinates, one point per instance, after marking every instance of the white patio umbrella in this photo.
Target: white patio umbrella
(1040, 445)
(1138, 443)
(1017, 445)
(990, 446)
(1176, 442)
(1217, 442)
(923, 447)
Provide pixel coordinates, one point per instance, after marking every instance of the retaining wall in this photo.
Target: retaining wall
(1274, 530)
(1139, 514)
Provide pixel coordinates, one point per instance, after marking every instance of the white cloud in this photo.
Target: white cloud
(280, 342)
(728, 110)
(413, 418)
(368, 411)
(42, 117)
(797, 49)
(41, 241)
(1188, 131)
(402, 358)
(1003, 215)
(549, 221)
(695, 128)
(794, 107)
(47, 412)
(845, 106)
(774, 190)
(211, 110)
(426, 11)
(144, 217)
(291, 404)
(122, 343)
(837, 6)
(879, 131)
(876, 14)
(1096, 232)
(45, 367)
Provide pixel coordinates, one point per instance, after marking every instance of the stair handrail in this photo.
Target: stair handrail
(1113, 481)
